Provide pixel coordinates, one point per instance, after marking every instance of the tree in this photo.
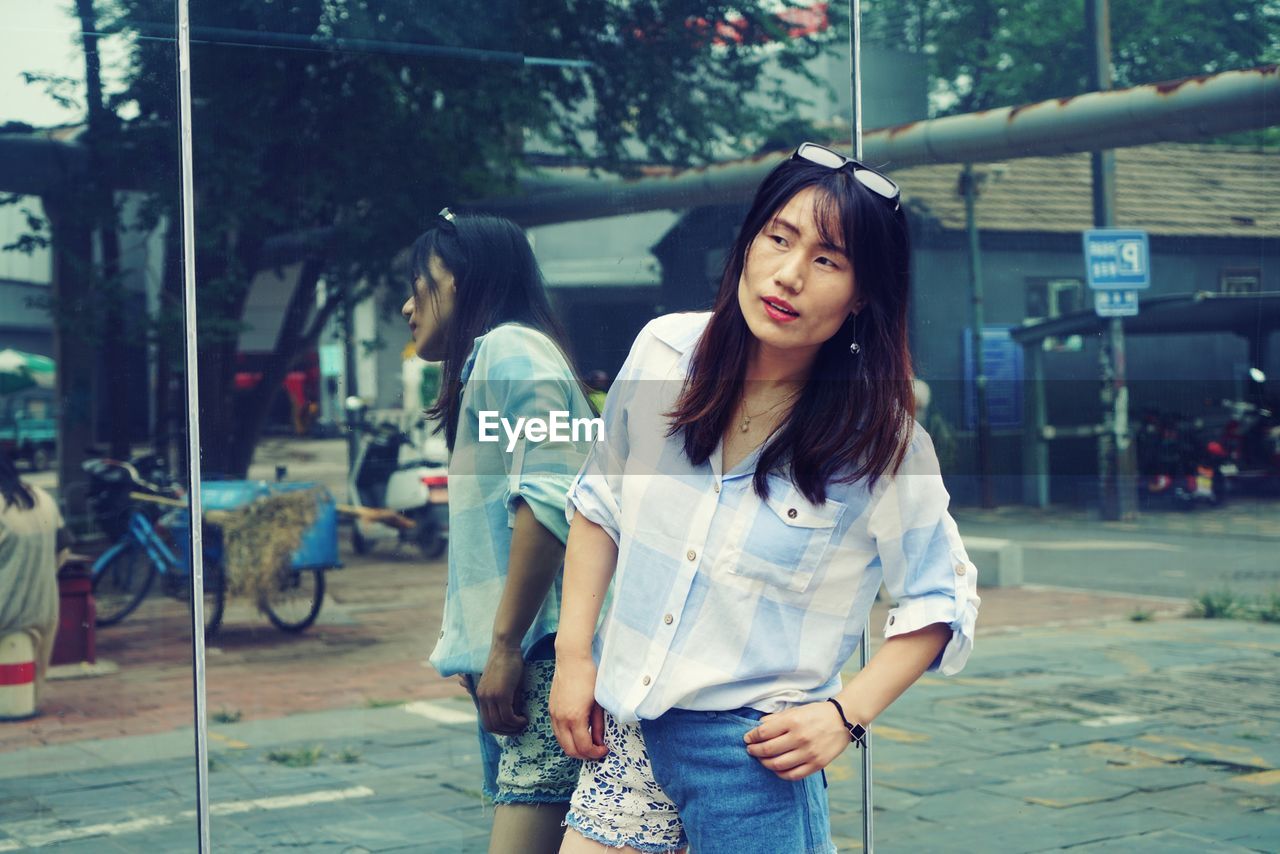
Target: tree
(986, 54)
(330, 132)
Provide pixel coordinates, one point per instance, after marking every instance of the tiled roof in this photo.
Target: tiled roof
(1175, 190)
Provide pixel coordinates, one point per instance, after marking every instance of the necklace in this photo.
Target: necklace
(746, 417)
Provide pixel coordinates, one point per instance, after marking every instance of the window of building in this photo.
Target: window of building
(1236, 280)
(1048, 298)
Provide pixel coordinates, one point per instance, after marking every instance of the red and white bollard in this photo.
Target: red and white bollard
(17, 677)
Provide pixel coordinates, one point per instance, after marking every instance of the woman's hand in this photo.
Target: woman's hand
(800, 741)
(498, 691)
(576, 717)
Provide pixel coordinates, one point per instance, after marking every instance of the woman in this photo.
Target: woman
(30, 527)
(478, 305)
(760, 476)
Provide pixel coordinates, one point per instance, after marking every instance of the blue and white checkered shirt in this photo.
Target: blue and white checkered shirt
(518, 372)
(722, 600)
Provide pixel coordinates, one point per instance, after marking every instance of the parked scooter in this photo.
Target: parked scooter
(1178, 463)
(416, 488)
(1251, 440)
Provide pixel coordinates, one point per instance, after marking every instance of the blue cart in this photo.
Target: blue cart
(150, 543)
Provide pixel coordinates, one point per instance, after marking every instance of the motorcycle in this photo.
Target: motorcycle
(1178, 464)
(416, 488)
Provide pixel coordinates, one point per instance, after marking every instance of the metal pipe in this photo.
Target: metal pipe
(196, 545)
(1192, 108)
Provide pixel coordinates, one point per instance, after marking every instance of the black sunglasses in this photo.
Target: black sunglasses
(867, 177)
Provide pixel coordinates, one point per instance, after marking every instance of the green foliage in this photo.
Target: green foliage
(298, 757)
(226, 716)
(986, 54)
(331, 131)
(1216, 605)
(1141, 616)
(348, 756)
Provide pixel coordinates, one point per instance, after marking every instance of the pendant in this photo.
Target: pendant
(745, 425)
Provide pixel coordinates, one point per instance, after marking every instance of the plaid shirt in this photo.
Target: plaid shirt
(516, 371)
(722, 600)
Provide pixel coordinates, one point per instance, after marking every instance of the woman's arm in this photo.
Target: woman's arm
(803, 740)
(535, 559)
(590, 559)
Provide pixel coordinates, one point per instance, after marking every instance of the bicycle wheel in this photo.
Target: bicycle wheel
(215, 596)
(121, 585)
(296, 603)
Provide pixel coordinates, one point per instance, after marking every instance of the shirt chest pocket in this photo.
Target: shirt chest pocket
(782, 540)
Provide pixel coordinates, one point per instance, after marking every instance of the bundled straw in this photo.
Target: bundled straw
(260, 538)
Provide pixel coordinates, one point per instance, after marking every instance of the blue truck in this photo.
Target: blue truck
(29, 427)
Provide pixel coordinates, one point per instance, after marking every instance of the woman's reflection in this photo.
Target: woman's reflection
(478, 305)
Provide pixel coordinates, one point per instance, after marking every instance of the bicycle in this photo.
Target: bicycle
(124, 573)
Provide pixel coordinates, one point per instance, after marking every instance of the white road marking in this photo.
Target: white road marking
(445, 714)
(35, 838)
(1111, 720)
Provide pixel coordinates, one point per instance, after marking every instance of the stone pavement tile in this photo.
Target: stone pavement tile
(1255, 830)
(974, 806)
(97, 845)
(1163, 841)
(1061, 791)
(1218, 745)
(29, 762)
(424, 831)
(934, 779)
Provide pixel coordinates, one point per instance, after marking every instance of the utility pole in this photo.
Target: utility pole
(1116, 463)
(969, 189)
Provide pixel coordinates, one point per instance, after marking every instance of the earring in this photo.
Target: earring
(855, 348)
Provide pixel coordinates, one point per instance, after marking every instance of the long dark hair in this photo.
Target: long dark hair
(853, 418)
(497, 280)
(13, 489)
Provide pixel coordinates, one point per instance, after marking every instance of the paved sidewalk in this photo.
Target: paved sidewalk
(1153, 736)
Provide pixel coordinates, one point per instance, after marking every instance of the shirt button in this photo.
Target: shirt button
(668, 619)
(442, 634)
(716, 487)
(791, 514)
(691, 554)
(959, 569)
(645, 681)
(891, 621)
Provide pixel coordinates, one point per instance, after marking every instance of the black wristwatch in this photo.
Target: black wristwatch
(857, 732)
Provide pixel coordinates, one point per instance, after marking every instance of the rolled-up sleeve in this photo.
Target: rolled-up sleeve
(926, 570)
(597, 489)
(525, 376)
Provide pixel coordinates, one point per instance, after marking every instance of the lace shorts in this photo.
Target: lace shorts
(617, 801)
(528, 767)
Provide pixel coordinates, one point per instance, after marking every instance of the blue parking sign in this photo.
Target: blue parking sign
(1117, 259)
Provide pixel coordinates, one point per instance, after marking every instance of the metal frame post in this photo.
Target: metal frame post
(855, 62)
(969, 189)
(1116, 463)
(196, 544)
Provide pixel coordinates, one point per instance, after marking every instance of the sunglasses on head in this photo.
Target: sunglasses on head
(867, 177)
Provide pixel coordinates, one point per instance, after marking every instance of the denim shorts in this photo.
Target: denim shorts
(686, 778)
(528, 767)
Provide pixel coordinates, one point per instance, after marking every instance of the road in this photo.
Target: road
(1166, 563)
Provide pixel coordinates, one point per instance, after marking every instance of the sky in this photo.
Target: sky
(42, 35)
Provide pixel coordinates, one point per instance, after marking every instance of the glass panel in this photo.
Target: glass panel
(95, 641)
(327, 138)
(1090, 704)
